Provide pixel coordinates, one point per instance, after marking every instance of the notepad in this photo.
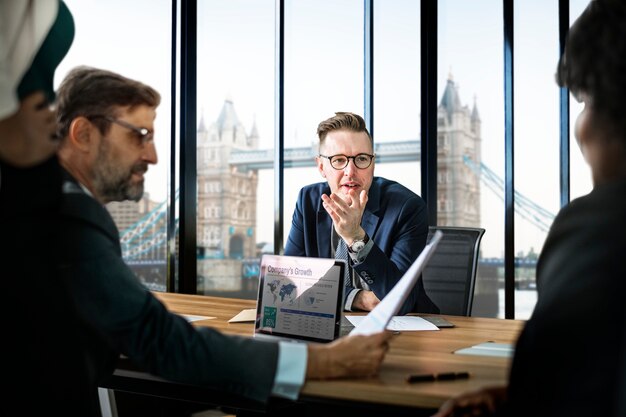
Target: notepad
(247, 315)
(499, 350)
(401, 323)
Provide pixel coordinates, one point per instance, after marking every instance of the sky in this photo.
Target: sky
(324, 74)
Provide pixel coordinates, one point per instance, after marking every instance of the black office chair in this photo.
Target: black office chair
(450, 275)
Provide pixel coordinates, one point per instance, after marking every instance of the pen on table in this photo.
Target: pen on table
(444, 376)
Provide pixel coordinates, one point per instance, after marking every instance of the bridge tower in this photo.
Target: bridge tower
(226, 228)
(458, 135)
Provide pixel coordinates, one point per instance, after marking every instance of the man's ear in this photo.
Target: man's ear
(81, 134)
(320, 165)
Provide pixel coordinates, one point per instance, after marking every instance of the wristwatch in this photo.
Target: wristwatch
(358, 245)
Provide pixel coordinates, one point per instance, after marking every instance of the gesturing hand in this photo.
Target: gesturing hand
(346, 213)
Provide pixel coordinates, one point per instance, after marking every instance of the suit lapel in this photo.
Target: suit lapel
(369, 222)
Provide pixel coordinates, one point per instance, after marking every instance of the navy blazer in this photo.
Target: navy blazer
(119, 315)
(395, 218)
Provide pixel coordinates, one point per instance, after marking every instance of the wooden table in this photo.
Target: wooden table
(410, 353)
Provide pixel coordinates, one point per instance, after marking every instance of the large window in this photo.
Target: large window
(136, 44)
(235, 141)
(470, 130)
(536, 141)
(323, 75)
(324, 70)
(397, 91)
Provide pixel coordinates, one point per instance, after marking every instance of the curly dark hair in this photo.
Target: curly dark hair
(594, 61)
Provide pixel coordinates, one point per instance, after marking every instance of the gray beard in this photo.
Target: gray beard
(110, 190)
(113, 183)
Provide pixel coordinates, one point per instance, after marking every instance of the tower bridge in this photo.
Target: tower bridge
(228, 164)
(386, 152)
(141, 238)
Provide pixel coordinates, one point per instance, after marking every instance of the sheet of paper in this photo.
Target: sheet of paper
(377, 319)
(247, 315)
(191, 318)
(400, 323)
(500, 350)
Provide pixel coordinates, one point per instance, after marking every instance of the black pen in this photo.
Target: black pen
(444, 376)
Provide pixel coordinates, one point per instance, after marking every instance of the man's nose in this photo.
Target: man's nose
(350, 168)
(150, 153)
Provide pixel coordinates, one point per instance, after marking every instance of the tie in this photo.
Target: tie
(342, 253)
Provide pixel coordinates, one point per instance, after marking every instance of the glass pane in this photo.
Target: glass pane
(235, 143)
(323, 74)
(397, 91)
(580, 175)
(537, 197)
(470, 159)
(147, 58)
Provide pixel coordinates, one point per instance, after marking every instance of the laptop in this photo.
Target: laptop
(300, 299)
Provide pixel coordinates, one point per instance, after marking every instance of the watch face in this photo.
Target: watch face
(357, 246)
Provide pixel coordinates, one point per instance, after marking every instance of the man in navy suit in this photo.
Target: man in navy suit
(381, 224)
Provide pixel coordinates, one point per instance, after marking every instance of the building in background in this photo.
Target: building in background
(458, 142)
(226, 227)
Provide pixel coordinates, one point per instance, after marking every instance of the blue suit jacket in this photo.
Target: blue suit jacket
(395, 218)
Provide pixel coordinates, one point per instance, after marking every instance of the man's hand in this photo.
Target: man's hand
(27, 137)
(350, 356)
(365, 300)
(484, 402)
(346, 213)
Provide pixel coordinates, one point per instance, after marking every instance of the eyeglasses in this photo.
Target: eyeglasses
(361, 161)
(145, 135)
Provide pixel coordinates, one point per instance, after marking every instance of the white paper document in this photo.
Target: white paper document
(247, 315)
(400, 323)
(499, 350)
(378, 319)
(191, 318)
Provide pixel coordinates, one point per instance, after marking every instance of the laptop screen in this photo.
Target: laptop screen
(300, 298)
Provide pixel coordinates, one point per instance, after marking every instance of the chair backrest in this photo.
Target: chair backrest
(450, 275)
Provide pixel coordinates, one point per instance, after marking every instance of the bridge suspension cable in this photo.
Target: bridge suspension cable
(526, 208)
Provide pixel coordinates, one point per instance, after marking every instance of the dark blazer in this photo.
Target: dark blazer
(570, 357)
(42, 339)
(119, 315)
(395, 218)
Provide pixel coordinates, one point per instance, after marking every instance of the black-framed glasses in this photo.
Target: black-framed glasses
(361, 161)
(144, 134)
